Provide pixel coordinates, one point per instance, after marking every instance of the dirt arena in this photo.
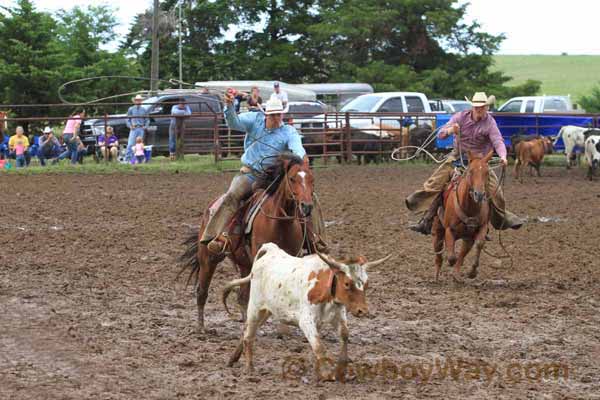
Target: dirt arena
(89, 308)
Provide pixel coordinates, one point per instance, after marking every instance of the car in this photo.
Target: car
(537, 104)
(201, 129)
(449, 106)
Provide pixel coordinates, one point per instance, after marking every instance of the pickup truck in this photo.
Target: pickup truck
(198, 140)
(537, 104)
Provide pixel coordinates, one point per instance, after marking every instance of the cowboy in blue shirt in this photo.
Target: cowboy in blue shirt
(137, 122)
(266, 138)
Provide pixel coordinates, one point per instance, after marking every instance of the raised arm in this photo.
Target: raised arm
(242, 122)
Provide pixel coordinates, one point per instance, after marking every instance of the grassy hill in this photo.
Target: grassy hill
(560, 75)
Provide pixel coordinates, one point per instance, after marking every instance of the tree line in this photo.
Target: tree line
(407, 45)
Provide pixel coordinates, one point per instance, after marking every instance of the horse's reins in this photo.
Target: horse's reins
(501, 182)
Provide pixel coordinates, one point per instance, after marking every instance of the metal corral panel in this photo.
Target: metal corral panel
(512, 124)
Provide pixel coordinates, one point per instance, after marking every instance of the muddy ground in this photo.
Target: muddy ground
(89, 307)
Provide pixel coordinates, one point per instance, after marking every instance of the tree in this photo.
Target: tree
(30, 58)
(591, 102)
(81, 35)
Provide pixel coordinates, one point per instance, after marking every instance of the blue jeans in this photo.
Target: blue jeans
(71, 151)
(133, 135)
(20, 161)
(48, 153)
(172, 140)
(26, 157)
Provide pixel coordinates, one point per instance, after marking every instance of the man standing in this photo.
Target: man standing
(49, 146)
(477, 132)
(177, 127)
(266, 137)
(281, 95)
(137, 122)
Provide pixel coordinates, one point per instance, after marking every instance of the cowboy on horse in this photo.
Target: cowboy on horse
(266, 138)
(476, 132)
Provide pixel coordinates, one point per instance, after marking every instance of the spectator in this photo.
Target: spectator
(4, 146)
(69, 133)
(80, 148)
(281, 95)
(109, 145)
(254, 101)
(49, 147)
(18, 146)
(139, 150)
(137, 122)
(176, 129)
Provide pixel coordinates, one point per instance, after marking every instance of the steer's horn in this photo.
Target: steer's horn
(332, 263)
(376, 262)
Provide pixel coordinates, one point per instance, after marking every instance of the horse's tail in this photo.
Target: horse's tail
(558, 136)
(189, 258)
(229, 286)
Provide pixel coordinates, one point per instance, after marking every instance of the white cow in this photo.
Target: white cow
(572, 136)
(592, 152)
(304, 292)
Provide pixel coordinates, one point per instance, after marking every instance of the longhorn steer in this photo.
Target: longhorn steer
(305, 292)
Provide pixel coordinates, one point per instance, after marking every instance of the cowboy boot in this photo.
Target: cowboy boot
(425, 224)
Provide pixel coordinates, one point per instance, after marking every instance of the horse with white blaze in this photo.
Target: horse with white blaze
(305, 292)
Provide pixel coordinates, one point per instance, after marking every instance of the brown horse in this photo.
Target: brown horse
(282, 219)
(465, 215)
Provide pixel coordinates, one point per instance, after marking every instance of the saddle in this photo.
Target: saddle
(242, 220)
(451, 190)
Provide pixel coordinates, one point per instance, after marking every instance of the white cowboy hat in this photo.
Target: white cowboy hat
(479, 99)
(138, 97)
(274, 106)
(47, 130)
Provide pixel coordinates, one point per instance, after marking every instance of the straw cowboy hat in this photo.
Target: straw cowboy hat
(274, 106)
(47, 130)
(480, 99)
(138, 97)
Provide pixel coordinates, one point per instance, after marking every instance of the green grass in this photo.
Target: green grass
(191, 164)
(560, 75)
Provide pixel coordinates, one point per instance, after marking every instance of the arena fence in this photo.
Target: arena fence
(332, 137)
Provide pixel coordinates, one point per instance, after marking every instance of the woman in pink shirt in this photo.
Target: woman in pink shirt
(71, 130)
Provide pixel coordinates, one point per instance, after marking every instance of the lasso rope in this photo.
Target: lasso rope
(494, 164)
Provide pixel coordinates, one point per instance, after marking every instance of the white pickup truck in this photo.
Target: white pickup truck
(385, 102)
(537, 104)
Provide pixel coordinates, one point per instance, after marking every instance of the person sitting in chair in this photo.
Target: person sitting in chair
(475, 130)
(109, 145)
(266, 137)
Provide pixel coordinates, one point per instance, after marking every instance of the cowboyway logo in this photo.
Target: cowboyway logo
(424, 372)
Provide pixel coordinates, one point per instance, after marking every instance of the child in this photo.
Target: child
(18, 145)
(139, 150)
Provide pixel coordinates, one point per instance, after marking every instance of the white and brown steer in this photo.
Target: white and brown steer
(305, 292)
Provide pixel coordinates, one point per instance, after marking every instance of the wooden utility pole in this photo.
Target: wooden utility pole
(154, 65)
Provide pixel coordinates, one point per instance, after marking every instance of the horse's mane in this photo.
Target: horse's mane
(273, 174)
